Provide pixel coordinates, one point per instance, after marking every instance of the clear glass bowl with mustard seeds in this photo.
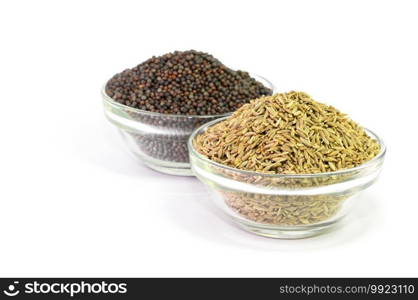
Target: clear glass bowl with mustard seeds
(279, 205)
(156, 139)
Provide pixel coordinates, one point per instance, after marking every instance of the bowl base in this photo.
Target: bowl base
(186, 171)
(288, 233)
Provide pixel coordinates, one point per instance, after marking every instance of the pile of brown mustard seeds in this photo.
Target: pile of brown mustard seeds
(184, 82)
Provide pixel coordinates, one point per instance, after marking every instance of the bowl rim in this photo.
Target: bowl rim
(111, 101)
(194, 152)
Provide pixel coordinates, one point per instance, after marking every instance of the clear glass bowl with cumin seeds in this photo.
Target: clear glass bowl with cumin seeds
(160, 140)
(279, 205)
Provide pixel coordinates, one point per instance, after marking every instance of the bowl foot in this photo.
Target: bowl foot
(288, 233)
(175, 170)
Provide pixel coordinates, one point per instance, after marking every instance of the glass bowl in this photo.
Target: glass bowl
(159, 140)
(284, 206)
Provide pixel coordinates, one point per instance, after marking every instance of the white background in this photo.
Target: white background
(74, 203)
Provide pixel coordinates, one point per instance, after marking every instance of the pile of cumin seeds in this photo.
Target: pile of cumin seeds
(284, 210)
(288, 133)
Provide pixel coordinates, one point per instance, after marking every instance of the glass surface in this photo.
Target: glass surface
(159, 140)
(284, 206)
